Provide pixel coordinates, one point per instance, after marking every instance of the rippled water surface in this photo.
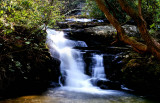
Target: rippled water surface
(61, 95)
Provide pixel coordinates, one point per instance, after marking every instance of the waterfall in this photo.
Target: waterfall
(97, 68)
(72, 63)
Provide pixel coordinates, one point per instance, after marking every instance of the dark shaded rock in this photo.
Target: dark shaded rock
(142, 74)
(63, 79)
(99, 35)
(113, 85)
(78, 25)
(106, 84)
(131, 22)
(54, 84)
(109, 84)
(137, 72)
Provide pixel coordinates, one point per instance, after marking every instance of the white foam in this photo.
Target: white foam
(72, 63)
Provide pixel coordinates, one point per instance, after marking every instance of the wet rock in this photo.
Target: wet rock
(141, 74)
(54, 84)
(106, 84)
(109, 30)
(131, 22)
(78, 24)
(109, 84)
(99, 35)
(101, 30)
(136, 71)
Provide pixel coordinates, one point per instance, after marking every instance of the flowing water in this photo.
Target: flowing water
(77, 86)
(60, 95)
(72, 63)
(97, 68)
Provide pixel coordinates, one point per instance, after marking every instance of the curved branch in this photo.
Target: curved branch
(152, 44)
(120, 31)
(139, 7)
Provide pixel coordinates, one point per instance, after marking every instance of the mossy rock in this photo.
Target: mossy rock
(141, 73)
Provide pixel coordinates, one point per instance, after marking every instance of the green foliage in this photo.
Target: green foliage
(69, 5)
(28, 13)
(151, 12)
(92, 11)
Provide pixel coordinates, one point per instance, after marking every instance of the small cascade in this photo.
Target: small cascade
(97, 68)
(72, 64)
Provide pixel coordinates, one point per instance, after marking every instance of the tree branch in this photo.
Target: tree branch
(120, 31)
(139, 7)
(152, 44)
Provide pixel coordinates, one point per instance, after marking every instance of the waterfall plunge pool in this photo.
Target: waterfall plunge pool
(62, 95)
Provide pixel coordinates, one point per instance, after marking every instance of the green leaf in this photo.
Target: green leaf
(11, 70)
(25, 78)
(18, 64)
(2, 11)
(27, 42)
(18, 37)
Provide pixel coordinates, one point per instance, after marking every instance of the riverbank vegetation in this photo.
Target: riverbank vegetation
(23, 54)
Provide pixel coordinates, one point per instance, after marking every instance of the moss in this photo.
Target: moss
(141, 73)
(131, 64)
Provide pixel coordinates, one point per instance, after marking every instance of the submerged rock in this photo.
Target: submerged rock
(103, 84)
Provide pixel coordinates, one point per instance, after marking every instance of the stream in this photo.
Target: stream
(78, 85)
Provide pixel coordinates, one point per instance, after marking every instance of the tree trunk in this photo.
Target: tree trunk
(120, 31)
(151, 45)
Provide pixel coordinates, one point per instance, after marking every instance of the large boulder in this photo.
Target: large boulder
(100, 35)
(109, 30)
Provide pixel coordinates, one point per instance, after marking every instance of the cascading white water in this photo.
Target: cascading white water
(72, 64)
(97, 68)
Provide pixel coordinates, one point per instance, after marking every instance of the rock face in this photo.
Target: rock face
(109, 30)
(141, 73)
(96, 35)
(80, 24)
(94, 31)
